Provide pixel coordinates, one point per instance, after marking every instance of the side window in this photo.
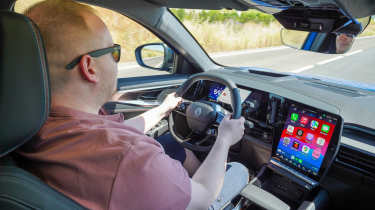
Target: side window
(129, 35)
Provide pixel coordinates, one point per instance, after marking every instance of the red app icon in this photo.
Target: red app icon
(304, 120)
(296, 145)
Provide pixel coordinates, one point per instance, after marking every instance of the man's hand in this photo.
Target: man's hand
(149, 119)
(170, 102)
(231, 130)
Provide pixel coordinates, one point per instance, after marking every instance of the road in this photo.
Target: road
(357, 65)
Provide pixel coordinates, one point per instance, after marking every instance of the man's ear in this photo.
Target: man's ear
(87, 70)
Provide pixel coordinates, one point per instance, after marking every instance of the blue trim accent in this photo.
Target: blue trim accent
(351, 19)
(347, 23)
(264, 4)
(310, 40)
(343, 12)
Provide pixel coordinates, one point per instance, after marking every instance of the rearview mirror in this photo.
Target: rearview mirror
(319, 30)
(337, 42)
(157, 56)
(328, 43)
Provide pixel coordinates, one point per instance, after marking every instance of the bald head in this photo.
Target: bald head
(69, 29)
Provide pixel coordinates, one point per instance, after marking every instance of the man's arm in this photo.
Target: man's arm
(208, 180)
(149, 119)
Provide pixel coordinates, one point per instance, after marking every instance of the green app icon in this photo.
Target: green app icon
(325, 128)
(299, 160)
(294, 117)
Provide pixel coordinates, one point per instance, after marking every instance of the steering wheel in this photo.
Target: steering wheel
(202, 117)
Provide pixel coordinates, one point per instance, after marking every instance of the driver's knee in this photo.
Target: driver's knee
(235, 180)
(239, 170)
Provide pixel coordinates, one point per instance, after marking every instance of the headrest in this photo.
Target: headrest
(24, 93)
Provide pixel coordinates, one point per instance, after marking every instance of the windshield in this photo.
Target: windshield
(252, 38)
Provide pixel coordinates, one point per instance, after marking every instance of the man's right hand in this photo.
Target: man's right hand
(231, 130)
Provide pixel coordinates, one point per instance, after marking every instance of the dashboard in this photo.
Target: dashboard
(270, 102)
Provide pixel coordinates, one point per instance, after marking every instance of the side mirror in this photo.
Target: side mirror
(329, 43)
(157, 56)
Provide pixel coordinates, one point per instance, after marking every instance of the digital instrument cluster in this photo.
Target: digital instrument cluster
(220, 93)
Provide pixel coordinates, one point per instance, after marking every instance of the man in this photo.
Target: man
(344, 42)
(104, 162)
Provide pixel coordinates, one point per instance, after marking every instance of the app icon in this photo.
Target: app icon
(316, 153)
(305, 149)
(292, 157)
(310, 136)
(286, 141)
(314, 124)
(300, 132)
(320, 141)
(300, 161)
(296, 145)
(290, 129)
(294, 117)
(304, 120)
(325, 128)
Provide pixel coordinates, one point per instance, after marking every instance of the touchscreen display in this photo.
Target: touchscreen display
(305, 139)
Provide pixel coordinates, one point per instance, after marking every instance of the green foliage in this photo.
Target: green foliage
(180, 13)
(221, 16)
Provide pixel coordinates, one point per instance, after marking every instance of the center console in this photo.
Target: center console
(303, 140)
(306, 143)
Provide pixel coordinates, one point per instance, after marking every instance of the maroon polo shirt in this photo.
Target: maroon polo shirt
(101, 163)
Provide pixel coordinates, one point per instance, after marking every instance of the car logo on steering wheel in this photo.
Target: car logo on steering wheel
(198, 111)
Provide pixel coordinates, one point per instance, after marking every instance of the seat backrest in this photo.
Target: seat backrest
(24, 107)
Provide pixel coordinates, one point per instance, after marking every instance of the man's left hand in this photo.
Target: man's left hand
(170, 102)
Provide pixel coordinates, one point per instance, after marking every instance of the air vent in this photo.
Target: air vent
(336, 89)
(361, 162)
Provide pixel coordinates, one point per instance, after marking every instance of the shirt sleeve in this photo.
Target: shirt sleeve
(147, 178)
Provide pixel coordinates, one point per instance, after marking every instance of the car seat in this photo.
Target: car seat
(24, 107)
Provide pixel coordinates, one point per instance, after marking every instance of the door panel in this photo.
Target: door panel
(134, 83)
(137, 95)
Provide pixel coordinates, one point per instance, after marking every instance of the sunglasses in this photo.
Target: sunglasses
(115, 51)
(346, 34)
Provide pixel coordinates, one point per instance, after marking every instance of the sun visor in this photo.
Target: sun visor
(358, 8)
(199, 4)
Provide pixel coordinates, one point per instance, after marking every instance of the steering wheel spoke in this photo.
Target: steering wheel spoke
(181, 108)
